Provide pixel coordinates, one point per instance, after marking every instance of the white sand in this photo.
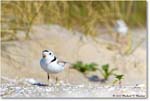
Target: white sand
(24, 89)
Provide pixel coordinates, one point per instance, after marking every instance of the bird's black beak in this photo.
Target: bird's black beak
(44, 56)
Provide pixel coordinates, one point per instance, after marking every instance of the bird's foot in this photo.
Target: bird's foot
(50, 83)
(57, 83)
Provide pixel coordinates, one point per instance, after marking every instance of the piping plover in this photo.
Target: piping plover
(51, 64)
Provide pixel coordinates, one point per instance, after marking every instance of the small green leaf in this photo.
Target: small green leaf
(80, 66)
(105, 67)
(115, 81)
(119, 77)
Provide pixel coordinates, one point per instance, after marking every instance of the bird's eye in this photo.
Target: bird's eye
(49, 53)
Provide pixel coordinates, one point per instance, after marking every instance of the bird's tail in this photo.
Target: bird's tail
(70, 64)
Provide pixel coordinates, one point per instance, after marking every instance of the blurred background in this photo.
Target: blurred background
(101, 32)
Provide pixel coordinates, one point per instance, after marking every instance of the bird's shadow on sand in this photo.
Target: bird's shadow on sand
(40, 84)
(95, 78)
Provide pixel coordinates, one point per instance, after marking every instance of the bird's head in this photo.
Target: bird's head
(47, 54)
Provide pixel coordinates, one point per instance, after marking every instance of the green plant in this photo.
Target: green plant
(106, 72)
(118, 78)
(84, 68)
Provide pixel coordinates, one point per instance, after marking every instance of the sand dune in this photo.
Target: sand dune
(22, 57)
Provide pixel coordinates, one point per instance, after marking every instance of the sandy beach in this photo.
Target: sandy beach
(20, 61)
